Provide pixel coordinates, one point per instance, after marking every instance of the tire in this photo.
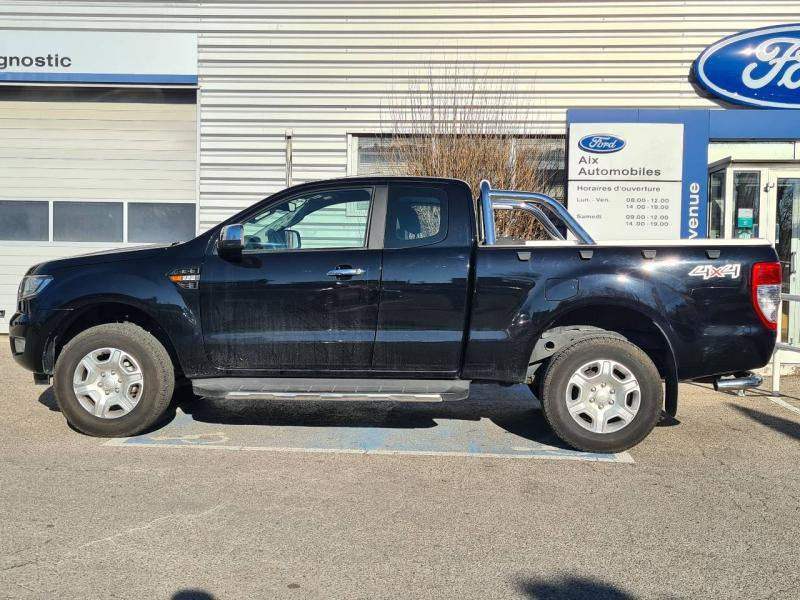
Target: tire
(82, 366)
(612, 388)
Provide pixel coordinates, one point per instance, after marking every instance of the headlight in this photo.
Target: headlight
(32, 285)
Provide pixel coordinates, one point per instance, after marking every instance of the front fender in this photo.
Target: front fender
(77, 293)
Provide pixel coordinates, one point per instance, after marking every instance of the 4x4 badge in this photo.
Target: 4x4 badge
(732, 270)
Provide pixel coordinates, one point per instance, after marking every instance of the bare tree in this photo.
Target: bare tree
(459, 126)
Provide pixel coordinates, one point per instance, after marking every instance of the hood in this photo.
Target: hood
(105, 256)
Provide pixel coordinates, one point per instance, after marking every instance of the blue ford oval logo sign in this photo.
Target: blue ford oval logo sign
(760, 67)
(602, 143)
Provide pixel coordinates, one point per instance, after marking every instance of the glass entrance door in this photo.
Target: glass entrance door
(761, 199)
(784, 195)
(746, 204)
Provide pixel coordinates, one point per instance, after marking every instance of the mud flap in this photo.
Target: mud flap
(671, 396)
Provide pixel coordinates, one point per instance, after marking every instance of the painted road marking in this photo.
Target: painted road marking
(623, 457)
(518, 432)
(785, 404)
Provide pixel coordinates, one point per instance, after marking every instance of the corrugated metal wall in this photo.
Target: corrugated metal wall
(98, 146)
(326, 69)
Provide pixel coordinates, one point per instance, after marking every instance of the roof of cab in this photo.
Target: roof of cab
(373, 180)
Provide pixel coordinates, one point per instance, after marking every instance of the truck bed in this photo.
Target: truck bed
(695, 293)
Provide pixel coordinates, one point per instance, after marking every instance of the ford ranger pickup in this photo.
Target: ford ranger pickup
(401, 289)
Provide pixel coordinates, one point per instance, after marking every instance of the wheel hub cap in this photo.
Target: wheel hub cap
(108, 383)
(603, 396)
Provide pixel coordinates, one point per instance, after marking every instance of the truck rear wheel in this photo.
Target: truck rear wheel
(113, 380)
(602, 394)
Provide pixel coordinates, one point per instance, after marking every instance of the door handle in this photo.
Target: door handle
(345, 272)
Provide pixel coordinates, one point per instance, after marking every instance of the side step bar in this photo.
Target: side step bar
(396, 390)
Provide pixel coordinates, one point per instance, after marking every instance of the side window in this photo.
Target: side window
(416, 215)
(24, 220)
(336, 218)
(87, 221)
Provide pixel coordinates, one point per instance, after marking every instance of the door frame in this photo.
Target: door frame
(770, 171)
(793, 328)
(766, 221)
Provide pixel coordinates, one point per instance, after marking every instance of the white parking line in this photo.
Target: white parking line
(785, 404)
(622, 457)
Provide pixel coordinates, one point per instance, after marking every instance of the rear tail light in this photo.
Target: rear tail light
(765, 287)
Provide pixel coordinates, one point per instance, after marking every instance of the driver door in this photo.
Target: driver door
(303, 296)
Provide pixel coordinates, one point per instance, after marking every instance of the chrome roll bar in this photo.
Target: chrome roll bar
(537, 212)
(530, 202)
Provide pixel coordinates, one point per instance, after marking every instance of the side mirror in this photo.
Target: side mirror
(292, 238)
(231, 239)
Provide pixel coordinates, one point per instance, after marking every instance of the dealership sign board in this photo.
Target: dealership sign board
(98, 57)
(625, 179)
(760, 67)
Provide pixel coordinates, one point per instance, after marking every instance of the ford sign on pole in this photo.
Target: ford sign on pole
(760, 67)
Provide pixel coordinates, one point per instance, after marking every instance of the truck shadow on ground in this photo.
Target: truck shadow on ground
(571, 588)
(566, 588)
(517, 412)
(785, 426)
(192, 594)
(521, 417)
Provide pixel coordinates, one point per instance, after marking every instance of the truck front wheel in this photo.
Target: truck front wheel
(602, 394)
(113, 380)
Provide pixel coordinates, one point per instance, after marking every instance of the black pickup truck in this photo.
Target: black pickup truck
(399, 289)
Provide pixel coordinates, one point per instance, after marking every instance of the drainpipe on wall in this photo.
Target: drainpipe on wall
(288, 158)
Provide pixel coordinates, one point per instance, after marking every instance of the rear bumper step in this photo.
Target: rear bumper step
(742, 381)
(394, 390)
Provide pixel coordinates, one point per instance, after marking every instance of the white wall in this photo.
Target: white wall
(325, 69)
(121, 148)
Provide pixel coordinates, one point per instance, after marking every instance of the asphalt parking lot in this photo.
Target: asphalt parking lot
(366, 500)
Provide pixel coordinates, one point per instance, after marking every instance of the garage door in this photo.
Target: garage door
(83, 170)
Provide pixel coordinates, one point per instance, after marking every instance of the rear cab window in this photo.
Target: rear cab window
(416, 215)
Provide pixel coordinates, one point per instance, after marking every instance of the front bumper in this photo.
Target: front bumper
(32, 339)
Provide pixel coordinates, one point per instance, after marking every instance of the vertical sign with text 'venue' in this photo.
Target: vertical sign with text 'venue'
(625, 179)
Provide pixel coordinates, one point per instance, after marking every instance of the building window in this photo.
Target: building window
(547, 154)
(716, 204)
(746, 201)
(87, 221)
(374, 156)
(101, 222)
(160, 222)
(24, 220)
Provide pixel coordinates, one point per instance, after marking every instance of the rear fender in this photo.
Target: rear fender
(598, 292)
(554, 340)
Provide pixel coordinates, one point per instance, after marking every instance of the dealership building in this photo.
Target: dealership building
(126, 123)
